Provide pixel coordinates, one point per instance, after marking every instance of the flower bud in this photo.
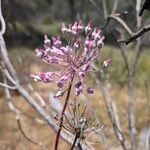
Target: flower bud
(35, 77)
(88, 28)
(90, 90)
(47, 41)
(63, 28)
(59, 94)
(106, 63)
(77, 44)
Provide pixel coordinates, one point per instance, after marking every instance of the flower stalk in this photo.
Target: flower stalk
(62, 114)
(74, 142)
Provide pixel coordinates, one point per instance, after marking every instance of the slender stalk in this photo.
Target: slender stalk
(105, 9)
(74, 142)
(131, 73)
(62, 115)
(79, 146)
(107, 100)
(131, 111)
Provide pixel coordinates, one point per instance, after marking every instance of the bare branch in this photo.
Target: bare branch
(3, 47)
(37, 95)
(55, 104)
(144, 142)
(29, 139)
(121, 22)
(123, 49)
(138, 7)
(93, 2)
(3, 25)
(7, 86)
(115, 6)
(107, 101)
(136, 35)
(17, 113)
(118, 133)
(105, 9)
(131, 120)
(8, 98)
(115, 111)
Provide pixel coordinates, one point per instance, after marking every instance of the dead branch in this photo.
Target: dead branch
(29, 139)
(105, 8)
(7, 86)
(121, 22)
(136, 35)
(17, 113)
(115, 6)
(107, 100)
(115, 111)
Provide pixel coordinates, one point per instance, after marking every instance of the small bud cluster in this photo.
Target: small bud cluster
(72, 59)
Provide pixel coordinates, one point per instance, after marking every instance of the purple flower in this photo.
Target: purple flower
(79, 88)
(72, 59)
(90, 90)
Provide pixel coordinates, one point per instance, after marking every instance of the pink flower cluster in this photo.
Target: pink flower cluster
(73, 59)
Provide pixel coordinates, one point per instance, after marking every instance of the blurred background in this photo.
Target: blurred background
(28, 21)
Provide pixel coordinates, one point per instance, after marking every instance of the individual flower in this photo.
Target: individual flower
(73, 59)
(106, 63)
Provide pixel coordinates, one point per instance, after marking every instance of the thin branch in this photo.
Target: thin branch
(37, 95)
(136, 35)
(115, 111)
(105, 8)
(7, 74)
(131, 116)
(55, 104)
(7, 86)
(118, 133)
(138, 18)
(74, 142)
(101, 135)
(94, 3)
(17, 113)
(115, 6)
(9, 102)
(131, 120)
(3, 47)
(26, 137)
(123, 49)
(107, 100)
(11, 106)
(3, 25)
(121, 22)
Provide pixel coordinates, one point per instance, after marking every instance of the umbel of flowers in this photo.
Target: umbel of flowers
(73, 58)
